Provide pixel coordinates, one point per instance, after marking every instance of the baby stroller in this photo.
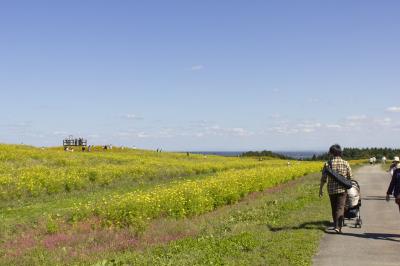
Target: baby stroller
(353, 204)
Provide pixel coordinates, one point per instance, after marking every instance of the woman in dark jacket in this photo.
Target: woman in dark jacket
(394, 187)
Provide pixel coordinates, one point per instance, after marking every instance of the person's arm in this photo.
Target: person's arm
(321, 186)
(391, 169)
(323, 181)
(391, 186)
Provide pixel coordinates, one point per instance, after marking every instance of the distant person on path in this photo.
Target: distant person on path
(383, 160)
(337, 192)
(394, 187)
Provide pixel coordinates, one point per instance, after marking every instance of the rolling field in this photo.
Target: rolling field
(125, 207)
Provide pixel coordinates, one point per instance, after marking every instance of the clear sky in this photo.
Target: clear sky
(201, 75)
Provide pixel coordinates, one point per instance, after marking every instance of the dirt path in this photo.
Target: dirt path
(378, 241)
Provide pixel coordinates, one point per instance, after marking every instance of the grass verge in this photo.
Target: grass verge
(280, 226)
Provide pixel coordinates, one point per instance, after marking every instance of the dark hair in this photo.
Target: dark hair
(335, 150)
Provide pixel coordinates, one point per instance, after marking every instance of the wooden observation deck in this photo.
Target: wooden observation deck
(74, 142)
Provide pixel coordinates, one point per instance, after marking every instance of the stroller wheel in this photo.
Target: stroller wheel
(359, 223)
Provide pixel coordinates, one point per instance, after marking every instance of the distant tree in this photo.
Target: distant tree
(265, 153)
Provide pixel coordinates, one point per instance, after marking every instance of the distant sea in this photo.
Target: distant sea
(293, 154)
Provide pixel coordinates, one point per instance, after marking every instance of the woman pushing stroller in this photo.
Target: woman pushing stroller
(337, 191)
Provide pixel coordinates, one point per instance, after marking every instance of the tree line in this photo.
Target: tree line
(348, 154)
(265, 153)
(362, 153)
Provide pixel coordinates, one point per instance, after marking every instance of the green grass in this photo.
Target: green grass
(281, 228)
(277, 227)
(28, 211)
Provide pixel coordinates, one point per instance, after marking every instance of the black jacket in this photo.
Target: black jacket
(394, 187)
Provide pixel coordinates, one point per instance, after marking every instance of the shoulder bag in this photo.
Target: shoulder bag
(339, 178)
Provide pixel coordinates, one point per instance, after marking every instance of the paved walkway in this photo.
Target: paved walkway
(378, 241)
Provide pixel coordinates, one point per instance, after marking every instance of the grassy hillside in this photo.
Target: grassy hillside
(31, 172)
(64, 208)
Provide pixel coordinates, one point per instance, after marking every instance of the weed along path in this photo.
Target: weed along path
(378, 241)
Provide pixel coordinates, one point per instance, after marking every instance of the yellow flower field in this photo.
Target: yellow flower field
(187, 198)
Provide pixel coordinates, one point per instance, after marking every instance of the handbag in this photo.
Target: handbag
(339, 178)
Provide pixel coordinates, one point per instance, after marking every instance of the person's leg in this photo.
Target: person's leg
(341, 203)
(333, 199)
(397, 200)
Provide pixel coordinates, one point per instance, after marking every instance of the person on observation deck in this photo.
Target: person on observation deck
(337, 192)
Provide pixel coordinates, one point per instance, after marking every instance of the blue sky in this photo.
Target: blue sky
(201, 75)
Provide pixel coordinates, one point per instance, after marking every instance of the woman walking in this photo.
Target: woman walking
(337, 192)
(394, 187)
